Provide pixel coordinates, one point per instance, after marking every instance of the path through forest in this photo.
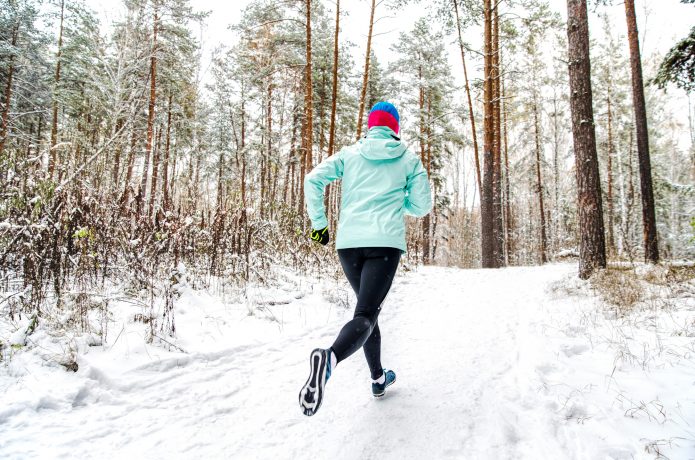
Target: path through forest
(491, 364)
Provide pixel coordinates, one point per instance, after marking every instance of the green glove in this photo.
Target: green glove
(320, 236)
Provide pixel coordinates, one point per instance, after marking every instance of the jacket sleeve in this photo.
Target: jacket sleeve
(418, 199)
(315, 183)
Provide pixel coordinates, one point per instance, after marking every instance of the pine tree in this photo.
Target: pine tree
(471, 116)
(334, 92)
(592, 248)
(678, 66)
(365, 75)
(425, 81)
(651, 244)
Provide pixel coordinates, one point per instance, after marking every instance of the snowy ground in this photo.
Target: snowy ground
(494, 364)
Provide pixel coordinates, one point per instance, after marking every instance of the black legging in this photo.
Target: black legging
(370, 272)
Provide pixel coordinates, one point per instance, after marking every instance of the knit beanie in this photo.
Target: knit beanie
(384, 114)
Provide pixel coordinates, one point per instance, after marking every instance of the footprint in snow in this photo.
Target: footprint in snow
(574, 350)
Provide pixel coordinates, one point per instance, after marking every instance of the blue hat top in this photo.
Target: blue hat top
(388, 108)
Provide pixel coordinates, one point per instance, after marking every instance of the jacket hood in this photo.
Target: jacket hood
(381, 143)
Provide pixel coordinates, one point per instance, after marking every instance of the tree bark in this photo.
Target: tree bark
(142, 192)
(539, 184)
(8, 94)
(487, 216)
(331, 129)
(156, 153)
(117, 155)
(365, 77)
(289, 172)
(423, 156)
(497, 144)
(267, 163)
(426, 143)
(130, 164)
(155, 172)
(243, 151)
(220, 182)
(54, 124)
(609, 171)
(151, 106)
(167, 150)
(592, 246)
(651, 244)
(422, 116)
(507, 189)
(308, 111)
(509, 229)
(556, 171)
(470, 100)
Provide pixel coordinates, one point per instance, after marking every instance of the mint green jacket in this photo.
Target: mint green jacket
(382, 182)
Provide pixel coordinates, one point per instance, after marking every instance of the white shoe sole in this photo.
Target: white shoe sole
(311, 394)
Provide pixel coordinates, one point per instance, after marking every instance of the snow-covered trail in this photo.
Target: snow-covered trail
(471, 361)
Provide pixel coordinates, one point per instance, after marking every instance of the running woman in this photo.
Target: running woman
(382, 182)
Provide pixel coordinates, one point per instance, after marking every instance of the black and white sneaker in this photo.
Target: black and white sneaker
(311, 395)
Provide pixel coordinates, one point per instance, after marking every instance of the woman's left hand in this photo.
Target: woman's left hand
(321, 236)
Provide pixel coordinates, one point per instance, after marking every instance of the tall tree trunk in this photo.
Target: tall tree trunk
(487, 209)
(196, 180)
(609, 171)
(117, 155)
(423, 156)
(539, 183)
(507, 190)
(142, 191)
(52, 158)
(151, 106)
(334, 98)
(630, 190)
(651, 246)
(243, 152)
(308, 138)
(171, 191)
(266, 164)
(155, 172)
(365, 76)
(129, 169)
(426, 143)
(422, 116)
(322, 114)
(330, 189)
(289, 172)
(592, 246)
(470, 99)
(497, 145)
(220, 182)
(167, 150)
(8, 94)
(556, 170)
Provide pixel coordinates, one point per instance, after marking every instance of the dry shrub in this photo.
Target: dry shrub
(665, 275)
(653, 274)
(618, 288)
(680, 274)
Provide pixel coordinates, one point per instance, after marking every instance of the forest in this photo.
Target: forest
(123, 170)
